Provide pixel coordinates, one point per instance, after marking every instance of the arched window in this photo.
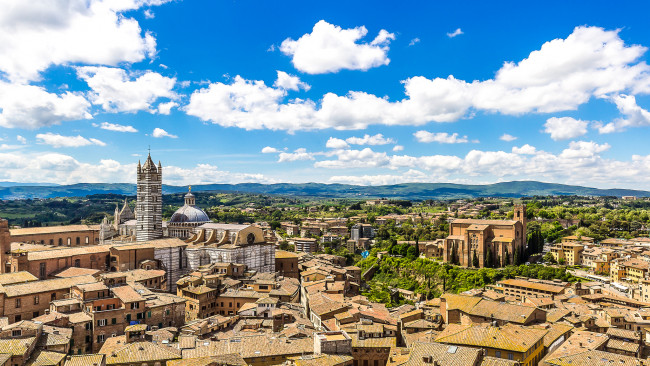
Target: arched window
(51, 241)
(78, 240)
(87, 240)
(77, 262)
(69, 241)
(60, 241)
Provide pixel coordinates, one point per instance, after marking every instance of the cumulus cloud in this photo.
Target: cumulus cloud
(166, 108)
(377, 139)
(115, 127)
(32, 107)
(334, 143)
(50, 167)
(455, 33)
(524, 150)
(398, 148)
(290, 82)
(565, 128)
(21, 139)
(581, 162)
(298, 154)
(507, 137)
(562, 75)
(56, 140)
(441, 137)
(160, 133)
(37, 34)
(269, 150)
(329, 48)
(118, 91)
(633, 115)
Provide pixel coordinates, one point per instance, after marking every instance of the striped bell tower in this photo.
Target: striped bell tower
(149, 206)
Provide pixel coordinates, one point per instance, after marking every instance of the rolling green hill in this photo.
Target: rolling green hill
(412, 191)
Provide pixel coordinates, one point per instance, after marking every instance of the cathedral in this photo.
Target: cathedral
(207, 242)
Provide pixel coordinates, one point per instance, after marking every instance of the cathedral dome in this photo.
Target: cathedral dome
(189, 213)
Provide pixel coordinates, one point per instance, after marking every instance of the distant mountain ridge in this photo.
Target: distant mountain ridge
(412, 191)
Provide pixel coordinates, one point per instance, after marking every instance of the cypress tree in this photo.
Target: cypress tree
(506, 258)
(475, 260)
(488, 258)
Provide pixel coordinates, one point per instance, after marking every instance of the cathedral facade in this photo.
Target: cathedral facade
(486, 243)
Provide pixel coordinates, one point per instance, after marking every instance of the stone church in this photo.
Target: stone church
(488, 240)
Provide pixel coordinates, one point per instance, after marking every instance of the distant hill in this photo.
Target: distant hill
(412, 191)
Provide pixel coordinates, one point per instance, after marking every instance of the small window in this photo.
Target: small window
(16, 333)
(17, 303)
(101, 322)
(17, 318)
(36, 300)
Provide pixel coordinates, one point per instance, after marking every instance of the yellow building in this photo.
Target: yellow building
(511, 342)
(570, 252)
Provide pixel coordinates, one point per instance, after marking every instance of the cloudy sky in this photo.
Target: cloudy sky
(337, 92)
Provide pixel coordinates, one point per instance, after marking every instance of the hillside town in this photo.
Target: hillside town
(137, 290)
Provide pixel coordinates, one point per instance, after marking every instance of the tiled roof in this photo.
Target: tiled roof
(323, 360)
(127, 294)
(460, 302)
(532, 285)
(617, 344)
(45, 358)
(232, 359)
(17, 347)
(137, 353)
(382, 342)
(445, 354)
(76, 271)
(85, 360)
(16, 277)
(510, 337)
(594, 358)
(49, 230)
(67, 252)
(44, 286)
(251, 347)
(494, 361)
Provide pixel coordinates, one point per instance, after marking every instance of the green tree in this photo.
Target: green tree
(488, 258)
(412, 252)
(475, 260)
(506, 258)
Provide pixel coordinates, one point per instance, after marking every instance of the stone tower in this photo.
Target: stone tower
(5, 246)
(149, 206)
(519, 214)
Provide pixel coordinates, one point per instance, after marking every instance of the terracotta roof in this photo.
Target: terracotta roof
(232, 359)
(45, 358)
(85, 360)
(460, 302)
(532, 285)
(50, 230)
(127, 294)
(16, 277)
(75, 272)
(67, 252)
(251, 347)
(17, 347)
(484, 222)
(44, 286)
(323, 360)
(136, 352)
(510, 337)
(595, 358)
(447, 355)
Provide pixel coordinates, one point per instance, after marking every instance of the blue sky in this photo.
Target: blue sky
(362, 93)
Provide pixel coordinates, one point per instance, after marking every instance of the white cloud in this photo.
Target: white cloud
(160, 133)
(507, 137)
(269, 150)
(115, 127)
(50, 167)
(117, 91)
(32, 107)
(346, 159)
(524, 150)
(633, 115)
(377, 139)
(149, 14)
(329, 48)
(565, 128)
(414, 41)
(298, 154)
(56, 140)
(290, 82)
(166, 108)
(334, 143)
(21, 139)
(398, 148)
(410, 176)
(455, 33)
(562, 75)
(37, 34)
(441, 137)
